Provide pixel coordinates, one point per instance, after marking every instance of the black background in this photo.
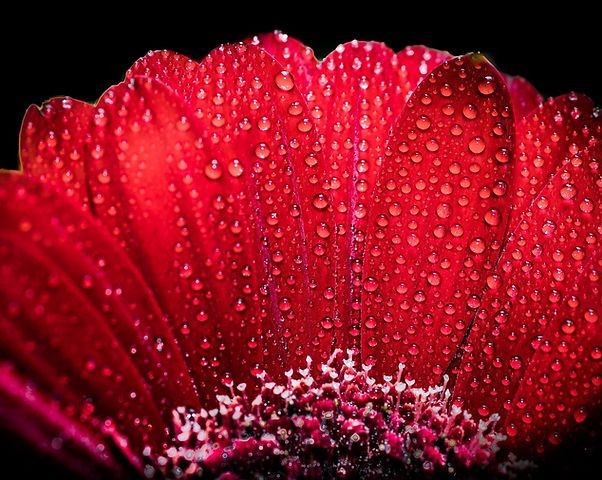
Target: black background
(61, 52)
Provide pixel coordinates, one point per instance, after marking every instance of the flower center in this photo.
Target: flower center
(337, 423)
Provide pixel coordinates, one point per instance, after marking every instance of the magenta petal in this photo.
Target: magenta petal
(438, 217)
(534, 351)
(78, 318)
(30, 415)
(525, 97)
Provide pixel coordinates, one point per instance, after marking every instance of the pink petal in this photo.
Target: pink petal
(28, 414)
(212, 190)
(533, 353)
(525, 97)
(438, 217)
(78, 318)
(52, 144)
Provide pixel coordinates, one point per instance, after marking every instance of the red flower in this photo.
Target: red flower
(206, 222)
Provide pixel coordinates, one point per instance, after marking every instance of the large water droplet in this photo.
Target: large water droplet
(284, 81)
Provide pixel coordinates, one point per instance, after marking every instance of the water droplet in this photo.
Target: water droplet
(423, 122)
(487, 86)
(477, 245)
(503, 155)
(493, 217)
(213, 170)
(434, 279)
(240, 305)
(104, 177)
(284, 304)
(548, 227)
(568, 191)
(580, 415)
(568, 327)
(470, 111)
(476, 145)
(262, 150)
(235, 168)
(320, 201)
(444, 210)
(284, 81)
(370, 284)
(516, 363)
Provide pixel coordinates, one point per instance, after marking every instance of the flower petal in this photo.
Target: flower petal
(544, 139)
(525, 97)
(416, 62)
(437, 220)
(354, 94)
(533, 353)
(78, 318)
(293, 56)
(228, 166)
(29, 415)
(52, 144)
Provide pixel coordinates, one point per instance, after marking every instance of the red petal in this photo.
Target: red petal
(28, 414)
(525, 97)
(534, 349)
(293, 56)
(416, 62)
(52, 144)
(355, 94)
(228, 169)
(543, 141)
(437, 218)
(79, 319)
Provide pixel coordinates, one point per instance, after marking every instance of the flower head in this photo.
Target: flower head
(205, 223)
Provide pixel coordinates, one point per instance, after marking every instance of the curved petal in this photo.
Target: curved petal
(228, 167)
(416, 62)
(355, 94)
(544, 139)
(78, 318)
(437, 221)
(533, 353)
(525, 97)
(52, 144)
(294, 57)
(71, 448)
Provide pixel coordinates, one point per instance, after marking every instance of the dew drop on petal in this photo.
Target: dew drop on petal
(476, 145)
(262, 151)
(487, 86)
(284, 81)
(235, 168)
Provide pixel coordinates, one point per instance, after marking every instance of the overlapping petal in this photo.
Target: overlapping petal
(437, 219)
(78, 318)
(534, 349)
(204, 219)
